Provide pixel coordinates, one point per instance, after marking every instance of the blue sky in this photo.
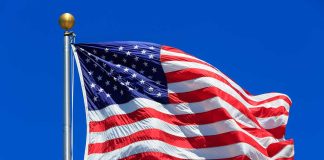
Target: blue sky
(264, 46)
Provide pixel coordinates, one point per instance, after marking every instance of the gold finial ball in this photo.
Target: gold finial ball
(66, 21)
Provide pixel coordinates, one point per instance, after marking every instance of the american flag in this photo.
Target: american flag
(149, 101)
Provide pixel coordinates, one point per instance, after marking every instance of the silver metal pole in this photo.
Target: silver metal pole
(66, 22)
(67, 97)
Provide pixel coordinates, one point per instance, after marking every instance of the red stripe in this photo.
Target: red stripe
(193, 73)
(172, 49)
(263, 112)
(241, 157)
(257, 132)
(165, 58)
(275, 148)
(290, 158)
(159, 156)
(211, 92)
(278, 132)
(143, 113)
(218, 140)
(150, 156)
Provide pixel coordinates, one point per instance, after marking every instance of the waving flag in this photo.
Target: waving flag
(145, 100)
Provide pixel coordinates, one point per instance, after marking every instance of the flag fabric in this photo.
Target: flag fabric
(149, 101)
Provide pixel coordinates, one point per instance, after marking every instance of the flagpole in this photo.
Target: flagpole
(66, 22)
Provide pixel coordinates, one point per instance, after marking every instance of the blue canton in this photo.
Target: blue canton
(117, 72)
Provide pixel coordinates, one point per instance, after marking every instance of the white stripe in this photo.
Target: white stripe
(185, 153)
(286, 152)
(179, 131)
(202, 82)
(171, 66)
(169, 53)
(273, 122)
(171, 109)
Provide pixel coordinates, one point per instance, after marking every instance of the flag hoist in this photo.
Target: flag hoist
(66, 21)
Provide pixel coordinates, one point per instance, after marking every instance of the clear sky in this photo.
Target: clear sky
(263, 46)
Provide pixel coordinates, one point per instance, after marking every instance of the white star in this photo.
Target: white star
(124, 60)
(134, 75)
(121, 92)
(143, 51)
(115, 87)
(118, 65)
(127, 83)
(95, 98)
(126, 69)
(158, 94)
(99, 78)
(128, 53)
(107, 95)
(151, 56)
(142, 81)
(141, 71)
(90, 73)
(111, 71)
(158, 82)
(152, 48)
(94, 51)
(150, 89)
(120, 48)
(136, 58)
(150, 77)
(104, 65)
(154, 69)
(119, 77)
(133, 66)
(115, 55)
(93, 85)
(107, 83)
(103, 57)
(95, 65)
(106, 50)
(97, 58)
(136, 47)
(115, 79)
(145, 64)
(101, 90)
(87, 60)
